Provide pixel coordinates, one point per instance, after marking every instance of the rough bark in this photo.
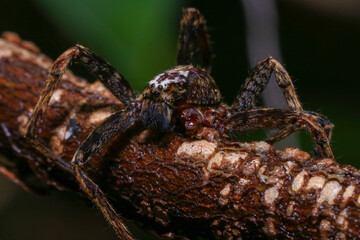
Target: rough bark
(225, 188)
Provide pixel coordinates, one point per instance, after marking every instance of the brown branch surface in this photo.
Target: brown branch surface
(225, 188)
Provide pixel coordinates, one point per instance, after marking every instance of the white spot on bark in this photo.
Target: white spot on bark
(261, 175)
(99, 116)
(243, 181)
(56, 97)
(57, 139)
(233, 157)
(224, 195)
(329, 192)
(260, 146)
(349, 192)
(295, 153)
(289, 165)
(228, 159)
(215, 161)
(22, 120)
(299, 181)
(316, 182)
(342, 221)
(270, 195)
(290, 208)
(201, 149)
(226, 190)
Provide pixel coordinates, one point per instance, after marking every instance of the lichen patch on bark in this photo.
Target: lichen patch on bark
(329, 192)
(200, 149)
(316, 182)
(299, 181)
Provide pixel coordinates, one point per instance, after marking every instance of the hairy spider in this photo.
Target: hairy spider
(184, 99)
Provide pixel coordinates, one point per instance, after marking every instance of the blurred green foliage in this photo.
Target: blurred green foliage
(137, 37)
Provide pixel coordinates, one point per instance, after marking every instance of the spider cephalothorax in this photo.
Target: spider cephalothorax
(188, 91)
(180, 86)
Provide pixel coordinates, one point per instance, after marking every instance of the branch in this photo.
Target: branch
(176, 184)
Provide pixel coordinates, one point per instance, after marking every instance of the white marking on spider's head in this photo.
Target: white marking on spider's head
(168, 77)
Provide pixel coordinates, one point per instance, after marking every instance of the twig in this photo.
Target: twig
(192, 186)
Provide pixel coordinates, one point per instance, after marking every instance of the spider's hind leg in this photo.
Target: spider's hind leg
(193, 33)
(324, 123)
(255, 84)
(282, 118)
(320, 120)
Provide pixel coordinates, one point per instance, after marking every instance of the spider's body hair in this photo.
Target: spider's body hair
(177, 87)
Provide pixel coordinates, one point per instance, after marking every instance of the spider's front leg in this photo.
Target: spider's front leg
(114, 81)
(255, 84)
(193, 32)
(117, 123)
(279, 118)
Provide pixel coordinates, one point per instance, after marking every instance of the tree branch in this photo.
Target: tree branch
(176, 184)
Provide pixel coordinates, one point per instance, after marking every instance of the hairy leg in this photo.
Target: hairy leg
(117, 123)
(286, 131)
(280, 118)
(116, 83)
(255, 84)
(193, 33)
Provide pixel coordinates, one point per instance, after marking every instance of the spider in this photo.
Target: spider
(184, 99)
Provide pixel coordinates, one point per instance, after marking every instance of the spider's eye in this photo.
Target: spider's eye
(152, 85)
(160, 87)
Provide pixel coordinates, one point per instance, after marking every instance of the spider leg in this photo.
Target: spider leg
(286, 131)
(193, 31)
(116, 83)
(117, 123)
(274, 118)
(325, 124)
(255, 84)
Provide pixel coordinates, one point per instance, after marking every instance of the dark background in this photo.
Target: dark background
(320, 49)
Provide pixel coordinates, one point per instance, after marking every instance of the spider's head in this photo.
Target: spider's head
(180, 86)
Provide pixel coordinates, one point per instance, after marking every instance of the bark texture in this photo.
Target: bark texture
(226, 189)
